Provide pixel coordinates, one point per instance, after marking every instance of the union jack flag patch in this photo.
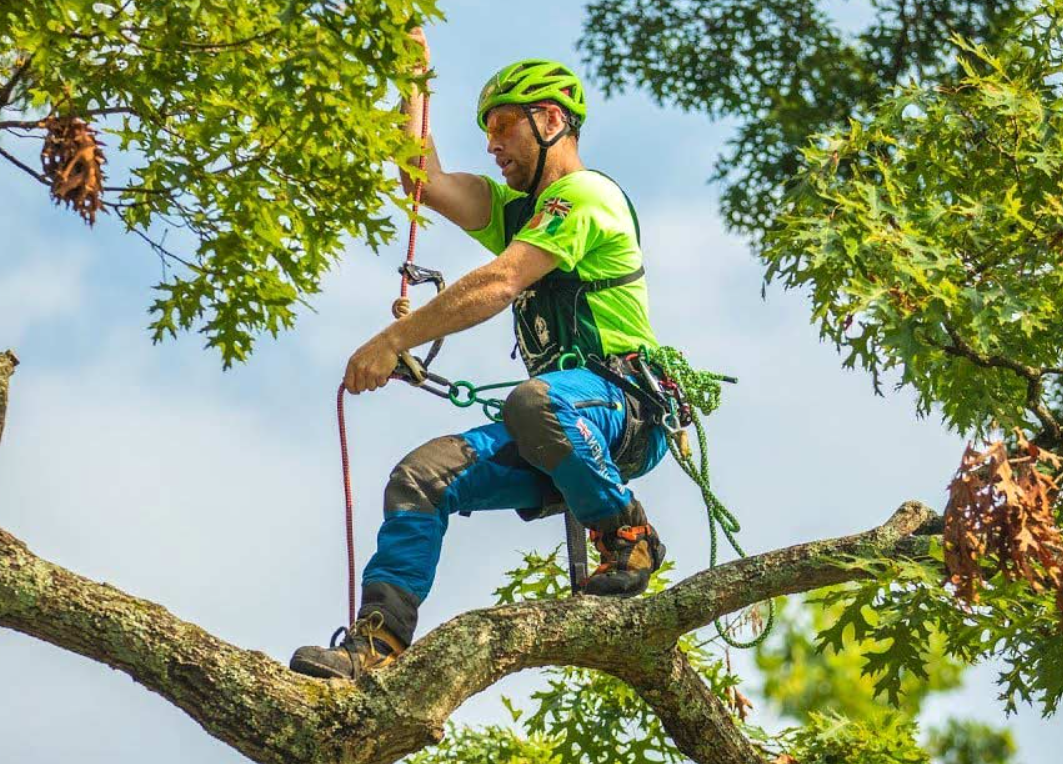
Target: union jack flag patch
(557, 207)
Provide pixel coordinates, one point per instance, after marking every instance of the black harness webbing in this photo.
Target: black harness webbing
(577, 284)
(654, 405)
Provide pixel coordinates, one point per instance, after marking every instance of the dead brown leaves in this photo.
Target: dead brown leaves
(738, 703)
(1001, 509)
(72, 160)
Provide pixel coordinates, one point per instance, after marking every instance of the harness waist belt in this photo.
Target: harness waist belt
(656, 405)
(598, 285)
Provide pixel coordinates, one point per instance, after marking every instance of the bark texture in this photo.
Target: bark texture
(273, 715)
(8, 362)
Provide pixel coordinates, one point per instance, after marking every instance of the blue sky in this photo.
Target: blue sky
(218, 494)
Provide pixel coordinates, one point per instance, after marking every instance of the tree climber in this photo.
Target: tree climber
(570, 264)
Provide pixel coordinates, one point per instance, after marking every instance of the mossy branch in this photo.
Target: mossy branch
(270, 714)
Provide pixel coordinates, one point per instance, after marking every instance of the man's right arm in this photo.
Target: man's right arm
(462, 198)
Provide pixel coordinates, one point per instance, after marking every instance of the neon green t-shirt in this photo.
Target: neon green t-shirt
(596, 299)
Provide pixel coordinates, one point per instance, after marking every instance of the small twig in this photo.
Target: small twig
(258, 156)
(36, 124)
(9, 87)
(961, 348)
(25, 168)
(138, 190)
(201, 47)
(1032, 375)
(24, 124)
(118, 206)
(111, 110)
(163, 252)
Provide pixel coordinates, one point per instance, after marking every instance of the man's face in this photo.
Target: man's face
(511, 141)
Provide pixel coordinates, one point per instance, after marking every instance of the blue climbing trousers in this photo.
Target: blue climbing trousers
(568, 436)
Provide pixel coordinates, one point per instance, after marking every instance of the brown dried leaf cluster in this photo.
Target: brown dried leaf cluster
(738, 703)
(72, 159)
(1001, 509)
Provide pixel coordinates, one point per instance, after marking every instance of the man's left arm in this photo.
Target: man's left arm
(471, 300)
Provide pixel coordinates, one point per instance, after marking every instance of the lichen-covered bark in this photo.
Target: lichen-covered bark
(272, 715)
(8, 362)
(697, 721)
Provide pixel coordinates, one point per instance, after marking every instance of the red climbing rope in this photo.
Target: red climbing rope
(399, 309)
(348, 496)
(418, 186)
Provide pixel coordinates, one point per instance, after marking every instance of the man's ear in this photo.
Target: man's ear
(557, 122)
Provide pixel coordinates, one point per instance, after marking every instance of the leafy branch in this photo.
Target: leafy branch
(7, 90)
(1034, 380)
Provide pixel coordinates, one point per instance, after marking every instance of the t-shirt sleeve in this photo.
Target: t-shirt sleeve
(567, 228)
(493, 235)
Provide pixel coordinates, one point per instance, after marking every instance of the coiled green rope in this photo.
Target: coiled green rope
(702, 391)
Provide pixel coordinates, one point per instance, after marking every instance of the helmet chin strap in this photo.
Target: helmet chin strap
(544, 146)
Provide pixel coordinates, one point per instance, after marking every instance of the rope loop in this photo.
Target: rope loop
(702, 390)
(338, 636)
(401, 307)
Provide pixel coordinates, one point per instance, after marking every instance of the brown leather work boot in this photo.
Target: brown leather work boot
(367, 645)
(629, 555)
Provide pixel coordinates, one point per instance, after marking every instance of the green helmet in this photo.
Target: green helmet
(530, 81)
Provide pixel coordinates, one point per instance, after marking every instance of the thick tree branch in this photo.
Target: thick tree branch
(273, 715)
(8, 362)
(698, 723)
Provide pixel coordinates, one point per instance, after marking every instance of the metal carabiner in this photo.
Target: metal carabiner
(411, 368)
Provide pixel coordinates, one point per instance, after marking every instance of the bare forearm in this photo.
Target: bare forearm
(476, 297)
(470, 301)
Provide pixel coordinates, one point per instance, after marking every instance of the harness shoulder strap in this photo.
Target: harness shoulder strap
(630, 206)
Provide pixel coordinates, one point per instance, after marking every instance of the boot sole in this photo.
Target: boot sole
(316, 670)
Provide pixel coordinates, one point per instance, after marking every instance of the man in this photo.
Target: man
(569, 263)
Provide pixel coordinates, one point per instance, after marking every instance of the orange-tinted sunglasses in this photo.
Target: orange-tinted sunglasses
(501, 121)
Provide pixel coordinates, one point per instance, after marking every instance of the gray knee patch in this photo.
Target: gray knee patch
(419, 481)
(529, 416)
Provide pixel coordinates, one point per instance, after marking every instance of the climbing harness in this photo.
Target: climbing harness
(672, 393)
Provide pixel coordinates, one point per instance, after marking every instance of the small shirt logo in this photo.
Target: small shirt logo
(551, 216)
(557, 207)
